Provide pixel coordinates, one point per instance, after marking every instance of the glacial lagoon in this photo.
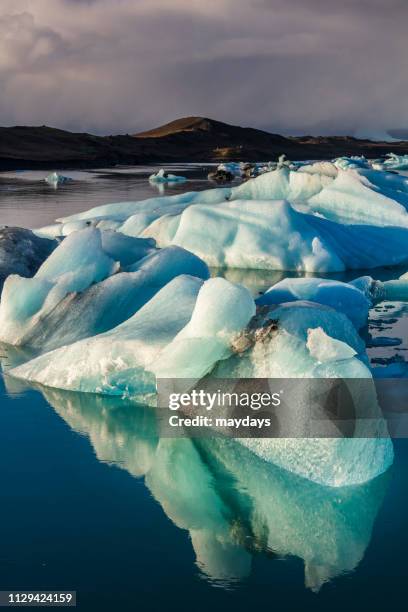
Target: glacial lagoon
(107, 499)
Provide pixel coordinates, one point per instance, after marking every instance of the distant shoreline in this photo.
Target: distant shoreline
(195, 139)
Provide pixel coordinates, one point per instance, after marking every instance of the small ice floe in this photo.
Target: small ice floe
(395, 162)
(54, 179)
(165, 177)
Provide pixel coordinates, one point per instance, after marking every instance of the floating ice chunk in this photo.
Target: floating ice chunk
(235, 168)
(396, 162)
(124, 360)
(246, 234)
(395, 290)
(132, 218)
(120, 361)
(284, 354)
(324, 348)
(377, 291)
(164, 177)
(80, 253)
(21, 252)
(108, 303)
(56, 179)
(273, 235)
(343, 297)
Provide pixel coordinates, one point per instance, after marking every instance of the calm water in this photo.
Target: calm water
(93, 501)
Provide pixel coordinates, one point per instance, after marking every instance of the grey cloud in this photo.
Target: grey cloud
(286, 65)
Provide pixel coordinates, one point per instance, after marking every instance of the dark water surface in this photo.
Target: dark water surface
(92, 500)
(26, 200)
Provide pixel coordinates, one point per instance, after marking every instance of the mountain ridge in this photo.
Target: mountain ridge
(196, 139)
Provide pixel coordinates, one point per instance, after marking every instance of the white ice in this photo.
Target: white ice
(103, 305)
(67, 297)
(318, 217)
(161, 176)
(56, 179)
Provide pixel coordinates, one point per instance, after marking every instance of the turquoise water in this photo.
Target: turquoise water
(93, 501)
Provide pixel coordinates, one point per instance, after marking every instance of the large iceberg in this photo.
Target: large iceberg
(318, 217)
(272, 234)
(189, 329)
(116, 313)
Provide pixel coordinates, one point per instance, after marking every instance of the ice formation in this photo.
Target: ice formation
(126, 312)
(21, 252)
(117, 362)
(80, 292)
(265, 234)
(189, 329)
(164, 177)
(56, 179)
(320, 217)
(396, 162)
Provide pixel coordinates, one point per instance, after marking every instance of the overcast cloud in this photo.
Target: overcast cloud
(111, 66)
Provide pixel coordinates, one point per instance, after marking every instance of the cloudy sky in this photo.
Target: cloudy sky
(110, 66)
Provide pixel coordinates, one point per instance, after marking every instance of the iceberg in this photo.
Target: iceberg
(165, 177)
(396, 162)
(56, 179)
(221, 312)
(351, 198)
(103, 305)
(22, 252)
(272, 235)
(316, 217)
(189, 329)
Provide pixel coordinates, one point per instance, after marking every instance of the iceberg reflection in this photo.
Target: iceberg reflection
(233, 503)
